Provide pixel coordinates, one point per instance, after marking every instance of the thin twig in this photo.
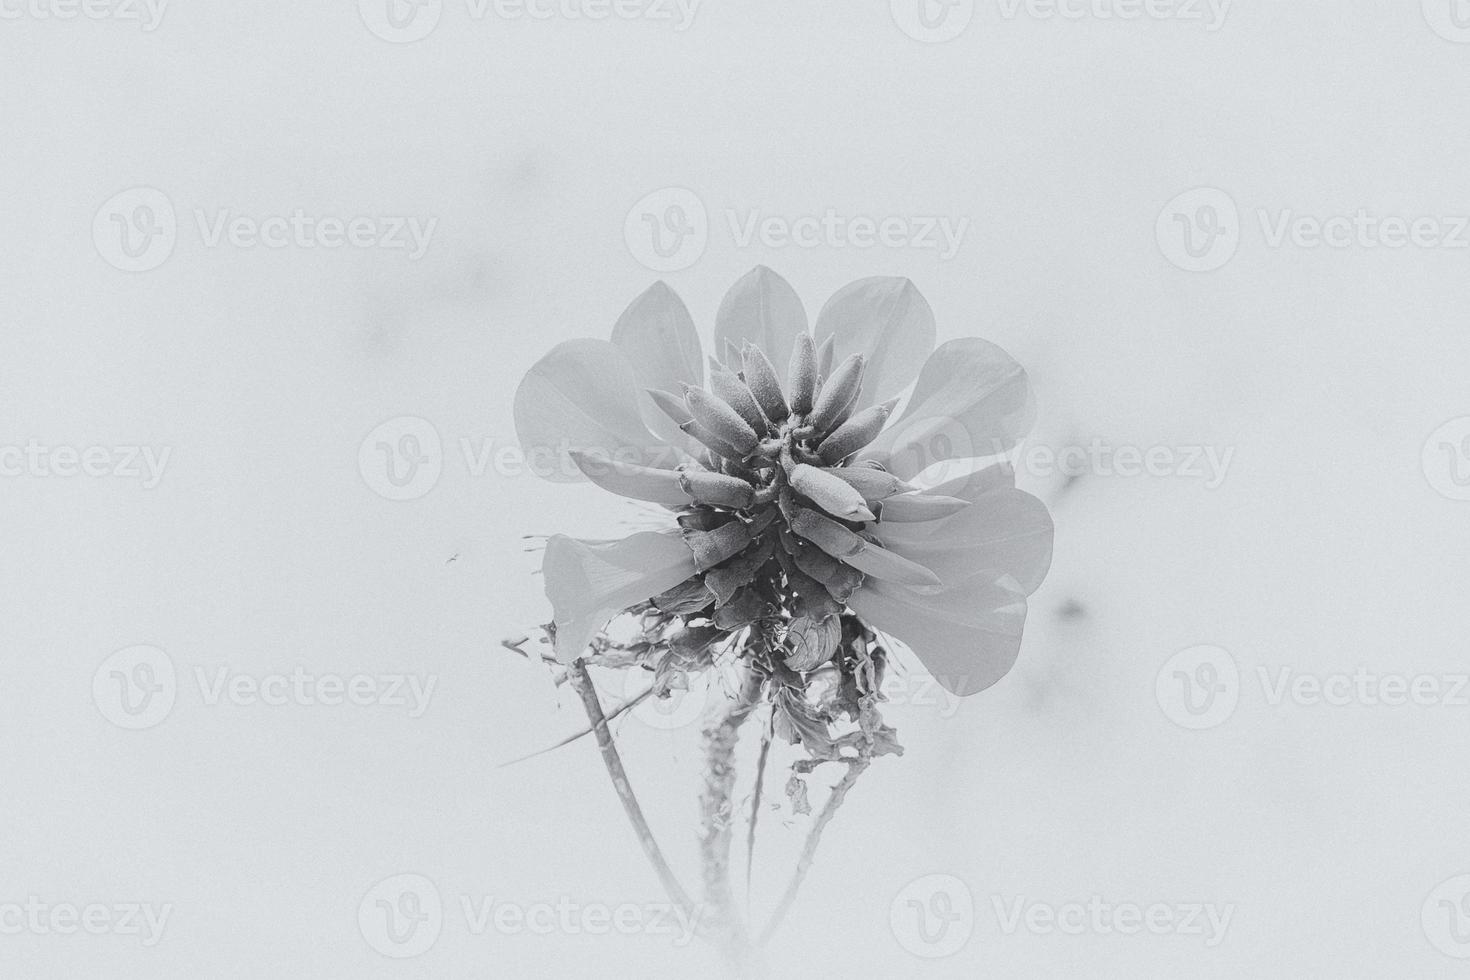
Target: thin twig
(855, 769)
(582, 684)
(611, 715)
(755, 808)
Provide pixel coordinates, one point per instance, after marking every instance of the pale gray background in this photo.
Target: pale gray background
(263, 549)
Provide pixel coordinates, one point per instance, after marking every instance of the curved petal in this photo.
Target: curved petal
(888, 321)
(972, 400)
(657, 334)
(582, 395)
(967, 636)
(761, 309)
(590, 582)
(1004, 532)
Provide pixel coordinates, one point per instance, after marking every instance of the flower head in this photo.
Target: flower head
(790, 481)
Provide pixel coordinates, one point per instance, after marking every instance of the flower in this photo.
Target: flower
(789, 481)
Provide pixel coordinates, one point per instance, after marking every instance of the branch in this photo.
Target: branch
(755, 807)
(855, 769)
(582, 684)
(718, 811)
(632, 702)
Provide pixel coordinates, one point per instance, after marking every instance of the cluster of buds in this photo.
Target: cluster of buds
(778, 514)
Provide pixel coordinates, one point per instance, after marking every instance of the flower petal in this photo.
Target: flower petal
(761, 309)
(1004, 532)
(582, 395)
(590, 582)
(967, 636)
(657, 334)
(972, 401)
(888, 321)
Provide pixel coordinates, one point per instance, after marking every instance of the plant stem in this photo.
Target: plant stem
(582, 684)
(717, 811)
(855, 769)
(755, 808)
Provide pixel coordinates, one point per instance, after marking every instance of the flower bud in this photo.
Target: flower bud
(834, 495)
(715, 489)
(760, 378)
(720, 419)
(855, 433)
(838, 392)
(712, 547)
(736, 394)
(712, 442)
(671, 405)
(825, 533)
(802, 377)
(874, 484)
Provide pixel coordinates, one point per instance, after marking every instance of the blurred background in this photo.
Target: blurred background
(255, 244)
